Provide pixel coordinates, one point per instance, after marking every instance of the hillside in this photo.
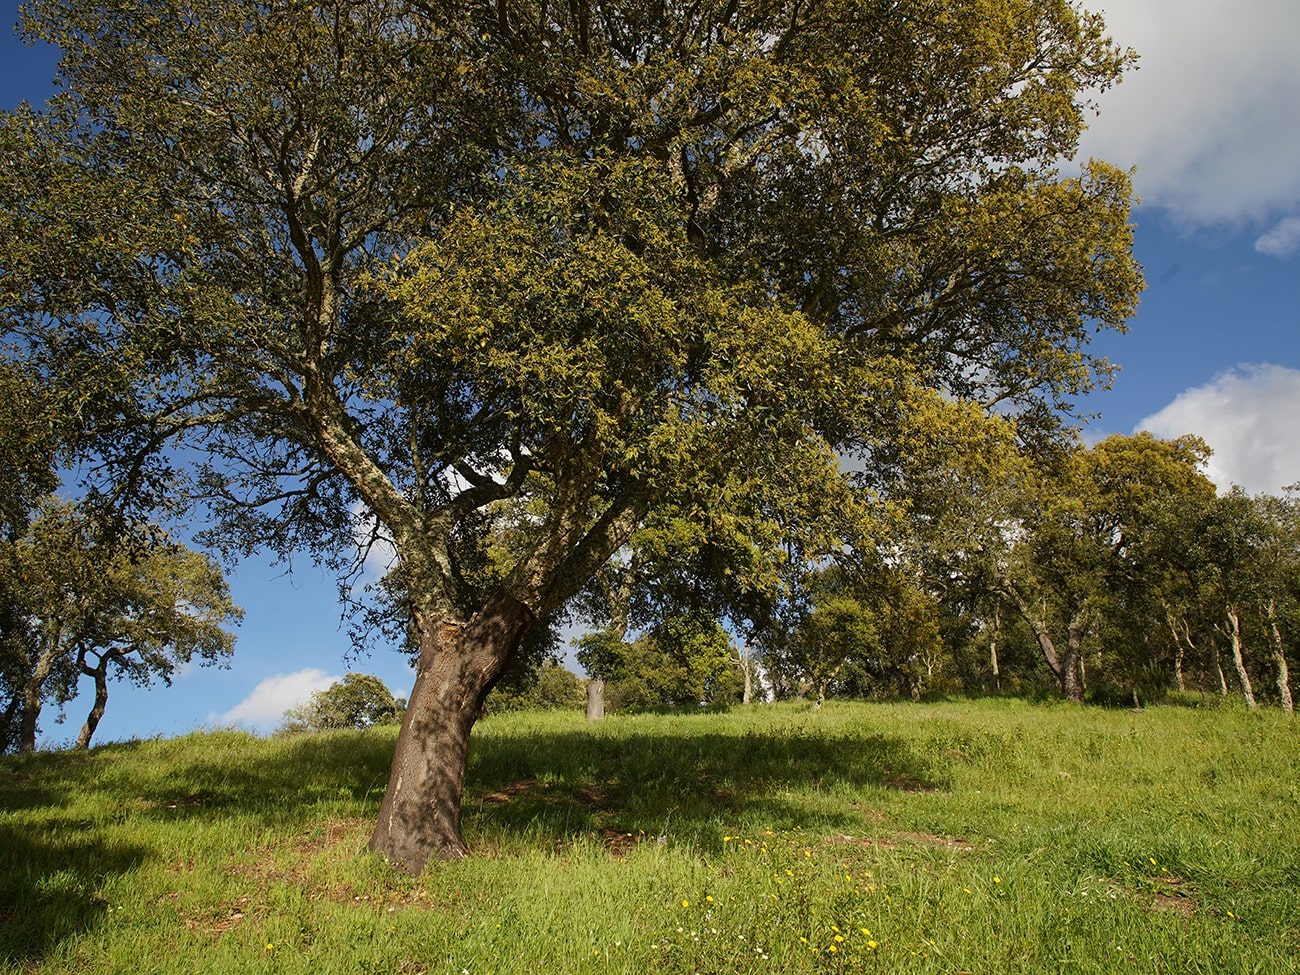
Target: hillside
(980, 836)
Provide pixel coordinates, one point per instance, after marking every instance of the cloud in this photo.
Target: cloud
(268, 701)
(1248, 415)
(1282, 241)
(1210, 117)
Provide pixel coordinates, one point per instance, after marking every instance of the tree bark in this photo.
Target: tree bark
(458, 666)
(747, 665)
(596, 699)
(1218, 669)
(97, 709)
(1066, 670)
(27, 725)
(1279, 657)
(993, 650)
(1234, 634)
(31, 708)
(1179, 680)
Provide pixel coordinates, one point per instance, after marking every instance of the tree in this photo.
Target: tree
(582, 260)
(1090, 549)
(355, 701)
(136, 607)
(27, 456)
(684, 661)
(1279, 571)
(553, 687)
(838, 628)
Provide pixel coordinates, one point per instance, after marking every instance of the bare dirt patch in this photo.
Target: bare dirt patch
(508, 792)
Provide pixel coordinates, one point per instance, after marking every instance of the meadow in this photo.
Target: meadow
(981, 836)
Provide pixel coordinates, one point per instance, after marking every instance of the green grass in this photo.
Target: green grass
(983, 836)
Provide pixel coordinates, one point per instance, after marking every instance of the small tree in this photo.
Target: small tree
(134, 605)
(356, 701)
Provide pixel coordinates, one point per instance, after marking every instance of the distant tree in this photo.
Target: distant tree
(132, 605)
(683, 662)
(356, 701)
(553, 687)
(1279, 590)
(838, 628)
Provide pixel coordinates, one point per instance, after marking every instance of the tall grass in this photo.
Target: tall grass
(978, 836)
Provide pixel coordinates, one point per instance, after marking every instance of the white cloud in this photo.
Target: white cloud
(1211, 118)
(1282, 241)
(268, 701)
(1249, 416)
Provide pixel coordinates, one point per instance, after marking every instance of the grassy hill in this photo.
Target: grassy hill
(985, 836)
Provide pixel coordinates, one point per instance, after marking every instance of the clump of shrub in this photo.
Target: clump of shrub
(550, 687)
(356, 701)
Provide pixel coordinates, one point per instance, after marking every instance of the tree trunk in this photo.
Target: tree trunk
(1179, 681)
(459, 664)
(821, 695)
(1218, 669)
(1076, 676)
(27, 726)
(1234, 633)
(993, 650)
(97, 710)
(1279, 657)
(747, 665)
(596, 699)
(1065, 670)
(31, 710)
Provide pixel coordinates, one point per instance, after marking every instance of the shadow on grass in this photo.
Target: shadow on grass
(49, 886)
(537, 787)
(564, 784)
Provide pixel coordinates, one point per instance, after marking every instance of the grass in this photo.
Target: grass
(977, 836)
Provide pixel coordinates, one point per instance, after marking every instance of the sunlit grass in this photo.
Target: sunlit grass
(980, 836)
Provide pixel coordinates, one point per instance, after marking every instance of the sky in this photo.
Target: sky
(1211, 122)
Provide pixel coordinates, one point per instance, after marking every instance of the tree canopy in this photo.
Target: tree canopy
(565, 265)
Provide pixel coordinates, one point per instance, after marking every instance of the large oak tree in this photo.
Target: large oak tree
(514, 275)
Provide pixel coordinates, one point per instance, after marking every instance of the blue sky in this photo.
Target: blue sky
(1211, 120)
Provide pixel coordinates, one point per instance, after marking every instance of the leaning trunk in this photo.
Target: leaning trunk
(1218, 669)
(1234, 634)
(596, 699)
(1279, 657)
(96, 711)
(459, 664)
